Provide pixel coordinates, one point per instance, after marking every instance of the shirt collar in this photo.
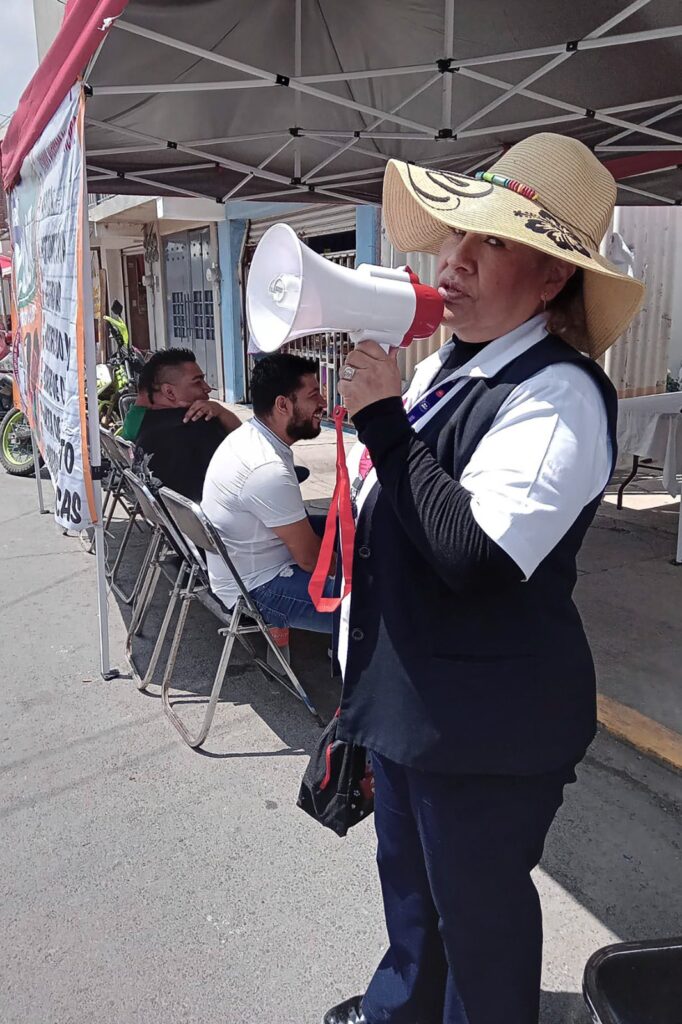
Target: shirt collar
(498, 353)
(493, 357)
(277, 443)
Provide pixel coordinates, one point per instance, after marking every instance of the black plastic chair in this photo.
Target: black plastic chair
(635, 983)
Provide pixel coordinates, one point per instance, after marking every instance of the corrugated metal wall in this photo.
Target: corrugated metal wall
(638, 362)
(316, 220)
(425, 267)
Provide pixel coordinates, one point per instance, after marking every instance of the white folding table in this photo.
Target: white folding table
(650, 427)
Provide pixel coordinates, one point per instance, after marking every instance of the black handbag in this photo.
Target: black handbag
(337, 788)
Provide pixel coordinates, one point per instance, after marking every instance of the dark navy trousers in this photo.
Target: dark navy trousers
(464, 924)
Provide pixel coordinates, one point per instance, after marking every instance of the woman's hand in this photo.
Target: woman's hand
(375, 376)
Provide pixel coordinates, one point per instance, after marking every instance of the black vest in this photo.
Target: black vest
(500, 681)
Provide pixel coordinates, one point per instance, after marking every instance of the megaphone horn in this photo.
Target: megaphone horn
(293, 292)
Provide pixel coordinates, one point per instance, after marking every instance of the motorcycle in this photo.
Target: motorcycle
(16, 450)
(117, 381)
(116, 393)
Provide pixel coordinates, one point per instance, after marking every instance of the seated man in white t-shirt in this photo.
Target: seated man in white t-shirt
(252, 496)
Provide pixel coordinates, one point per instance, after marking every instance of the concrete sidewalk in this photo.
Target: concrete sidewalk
(143, 883)
(629, 594)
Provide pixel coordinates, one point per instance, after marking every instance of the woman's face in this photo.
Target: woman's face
(490, 285)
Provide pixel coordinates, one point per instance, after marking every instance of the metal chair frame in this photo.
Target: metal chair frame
(118, 451)
(190, 533)
(165, 542)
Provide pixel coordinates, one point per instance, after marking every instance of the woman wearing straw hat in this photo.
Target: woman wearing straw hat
(467, 673)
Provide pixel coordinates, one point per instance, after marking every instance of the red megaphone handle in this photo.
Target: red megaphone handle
(341, 506)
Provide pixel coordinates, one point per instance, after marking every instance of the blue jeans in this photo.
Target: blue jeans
(285, 601)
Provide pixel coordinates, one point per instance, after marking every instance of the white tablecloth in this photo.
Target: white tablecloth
(651, 427)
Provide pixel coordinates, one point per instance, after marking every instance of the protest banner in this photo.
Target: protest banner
(46, 216)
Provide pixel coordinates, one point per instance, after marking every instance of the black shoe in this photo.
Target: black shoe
(349, 1012)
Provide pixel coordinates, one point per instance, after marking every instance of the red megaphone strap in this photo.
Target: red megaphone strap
(340, 507)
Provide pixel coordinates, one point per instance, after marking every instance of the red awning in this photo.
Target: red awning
(82, 31)
(5, 265)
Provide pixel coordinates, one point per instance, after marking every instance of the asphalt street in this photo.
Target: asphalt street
(144, 883)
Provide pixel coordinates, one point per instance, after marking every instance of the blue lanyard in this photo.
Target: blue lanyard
(421, 408)
(413, 416)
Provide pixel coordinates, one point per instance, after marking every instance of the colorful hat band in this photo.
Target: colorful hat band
(515, 186)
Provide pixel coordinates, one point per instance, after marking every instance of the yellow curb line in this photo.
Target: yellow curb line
(647, 735)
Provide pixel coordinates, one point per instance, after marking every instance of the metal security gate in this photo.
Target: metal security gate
(329, 349)
(331, 233)
(189, 298)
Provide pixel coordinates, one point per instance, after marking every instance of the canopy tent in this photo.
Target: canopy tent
(307, 99)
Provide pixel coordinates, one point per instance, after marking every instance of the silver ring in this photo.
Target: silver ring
(348, 372)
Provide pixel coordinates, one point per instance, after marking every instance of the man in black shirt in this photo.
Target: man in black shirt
(182, 427)
(180, 451)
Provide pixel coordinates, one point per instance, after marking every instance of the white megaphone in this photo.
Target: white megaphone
(292, 292)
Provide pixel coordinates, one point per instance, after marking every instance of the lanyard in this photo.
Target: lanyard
(416, 413)
(343, 504)
(427, 403)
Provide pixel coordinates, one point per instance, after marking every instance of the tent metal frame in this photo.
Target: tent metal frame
(341, 142)
(375, 126)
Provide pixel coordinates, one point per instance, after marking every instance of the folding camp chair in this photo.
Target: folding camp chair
(120, 455)
(166, 543)
(635, 983)
(200, 536)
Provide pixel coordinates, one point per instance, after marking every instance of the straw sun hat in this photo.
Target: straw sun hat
(548, 192)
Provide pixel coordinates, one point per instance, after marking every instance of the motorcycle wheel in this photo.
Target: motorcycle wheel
(16, 452)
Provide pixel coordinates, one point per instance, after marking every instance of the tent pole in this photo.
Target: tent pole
(375, 124)
(147, 181)
(298, 69)
(594, 38)
(607, 148)
(645, 194)
(37, 471)
(106, 671)
(573, 108)
(489, 158)
(448, 51)
(249, 177)
(590, 42)
(267, 76)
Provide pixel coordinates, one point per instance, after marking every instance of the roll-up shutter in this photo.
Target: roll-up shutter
(315, 220)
